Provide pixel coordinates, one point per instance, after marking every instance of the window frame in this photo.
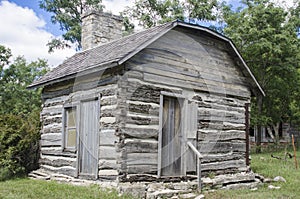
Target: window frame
(65, 128)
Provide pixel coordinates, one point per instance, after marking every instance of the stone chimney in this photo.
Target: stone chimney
(99, 28)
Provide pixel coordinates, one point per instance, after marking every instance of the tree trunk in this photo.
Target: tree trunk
(276, 129)
(275, 136)
(270, 132)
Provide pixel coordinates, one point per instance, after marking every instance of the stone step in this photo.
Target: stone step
(38, 174)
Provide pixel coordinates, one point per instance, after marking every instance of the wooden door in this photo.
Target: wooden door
(171, 138)
(88, 139)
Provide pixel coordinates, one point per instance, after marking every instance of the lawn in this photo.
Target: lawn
(263, 164)
(39, 189)
(270, 167)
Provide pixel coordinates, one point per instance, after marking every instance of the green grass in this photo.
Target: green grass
(263, 164)
(39, 189)
(270, 167)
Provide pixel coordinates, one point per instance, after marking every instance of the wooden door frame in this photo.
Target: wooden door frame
(161, 104)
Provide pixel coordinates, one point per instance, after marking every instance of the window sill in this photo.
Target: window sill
(69, 150)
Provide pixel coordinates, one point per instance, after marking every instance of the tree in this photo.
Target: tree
(15, 98)
(266, 36)
(19, 114)
(153, 12)
(68, 15)
(5, 54)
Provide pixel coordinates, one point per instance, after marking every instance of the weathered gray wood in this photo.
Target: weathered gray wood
(228, 135)
(140, 133)
(108, 164)
(196, 86)
(142, 120)
(188, 49)
(191, 119)
(171, 138)
(141, 169)
(107, 152)
(141, 145)
(223, 165)
(141, 159)
(219, 157)
(52, 128)
(57, 151)
(88, 138)
(213, 79)
(221, 147)
(143, 108)
(221, 125)
(57, 161)
(160, 136)
(108, 137)
(50, 150)
(67, 170)
(66, 91)
(51, 139)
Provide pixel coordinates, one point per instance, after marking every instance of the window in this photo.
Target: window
(70, 132)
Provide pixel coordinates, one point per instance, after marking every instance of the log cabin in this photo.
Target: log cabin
(161, 102)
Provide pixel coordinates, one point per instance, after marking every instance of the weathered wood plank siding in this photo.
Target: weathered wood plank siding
(202, 70)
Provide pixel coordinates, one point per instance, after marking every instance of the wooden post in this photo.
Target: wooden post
(199, 173)
(199, 156)
(294, 147)
(247, 132)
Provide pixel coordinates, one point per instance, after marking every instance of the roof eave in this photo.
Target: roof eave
(94, 69)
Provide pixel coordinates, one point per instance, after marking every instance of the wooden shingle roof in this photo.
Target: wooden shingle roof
(118, 51)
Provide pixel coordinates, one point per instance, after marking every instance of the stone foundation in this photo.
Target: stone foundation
(154, 190)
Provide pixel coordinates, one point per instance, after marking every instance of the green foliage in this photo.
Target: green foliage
(153, 12)
(5, 54)
(19, 115)
(15, 98)
(68, 15)
(266, 36)
(19, 138)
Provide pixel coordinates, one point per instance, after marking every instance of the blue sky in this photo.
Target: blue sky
(34, 5)
(26, 29)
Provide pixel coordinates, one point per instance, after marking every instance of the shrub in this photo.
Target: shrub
(18, 144)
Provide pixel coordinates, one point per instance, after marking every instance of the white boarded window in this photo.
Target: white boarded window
(70, 132)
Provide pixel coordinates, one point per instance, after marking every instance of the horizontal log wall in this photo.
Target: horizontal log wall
(202, 70)
(221, 133)
(53, 157)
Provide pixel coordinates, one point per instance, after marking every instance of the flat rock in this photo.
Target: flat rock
(201, 196)
(273, 187)
(207, 180)
(166, 193)
(188, 196)
(279, 179)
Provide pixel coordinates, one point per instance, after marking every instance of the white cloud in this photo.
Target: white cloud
(285, 3)
(24, 33)
(116, 6)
